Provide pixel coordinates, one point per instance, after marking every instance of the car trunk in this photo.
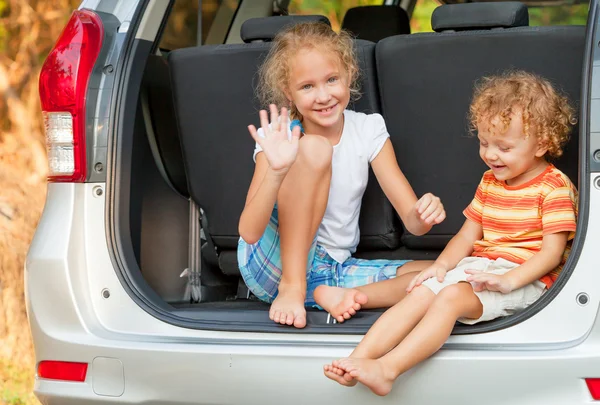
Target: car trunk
(177, 200)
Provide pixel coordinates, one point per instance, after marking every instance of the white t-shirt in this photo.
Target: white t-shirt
(362, 138)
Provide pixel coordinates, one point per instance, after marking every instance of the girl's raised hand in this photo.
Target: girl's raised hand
(279, 150)
(430, 209)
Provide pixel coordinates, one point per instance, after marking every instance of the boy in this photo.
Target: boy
(510, 249)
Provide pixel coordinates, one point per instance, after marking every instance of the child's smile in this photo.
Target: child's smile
(497, 168)
(513, 157)
(318, 87)
(328, 110)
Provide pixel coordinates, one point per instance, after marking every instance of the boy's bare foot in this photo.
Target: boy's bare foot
(370, 373)
(338, 375)
(288, 309)
(341, 303)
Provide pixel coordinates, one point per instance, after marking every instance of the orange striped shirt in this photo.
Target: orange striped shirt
(515, 219)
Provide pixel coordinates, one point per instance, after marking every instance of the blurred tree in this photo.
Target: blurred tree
(182, 26)
(28, 30)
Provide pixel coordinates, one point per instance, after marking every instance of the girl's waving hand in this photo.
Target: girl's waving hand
(279, 150)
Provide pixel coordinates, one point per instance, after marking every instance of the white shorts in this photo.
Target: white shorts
(495, 304)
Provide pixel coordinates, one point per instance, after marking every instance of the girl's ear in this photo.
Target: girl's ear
(288, 95)
(286, 92)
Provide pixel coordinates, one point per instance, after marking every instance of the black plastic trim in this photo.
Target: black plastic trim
(110, 25)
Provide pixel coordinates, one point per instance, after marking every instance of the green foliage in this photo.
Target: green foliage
(421, 18)
(571, 14)
(568, 14)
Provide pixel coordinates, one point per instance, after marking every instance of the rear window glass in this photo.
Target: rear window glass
(564, 14)
(182, 31)
(334, 10)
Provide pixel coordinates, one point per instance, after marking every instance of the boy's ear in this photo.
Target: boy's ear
(542, 148)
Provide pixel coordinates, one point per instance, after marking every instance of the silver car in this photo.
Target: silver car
(132, 286)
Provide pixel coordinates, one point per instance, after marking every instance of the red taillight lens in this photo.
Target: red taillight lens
(62, 370)
(63, 86)
(594, 387)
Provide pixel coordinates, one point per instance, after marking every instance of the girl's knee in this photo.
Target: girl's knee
(316, 152)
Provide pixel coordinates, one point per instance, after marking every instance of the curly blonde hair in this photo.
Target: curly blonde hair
(542, 108)
(274, 73)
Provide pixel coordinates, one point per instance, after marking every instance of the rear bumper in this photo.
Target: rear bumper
(180, 374)
(136, 358)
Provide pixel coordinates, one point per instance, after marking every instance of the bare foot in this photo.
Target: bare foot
(338, 375)
(369, 372)
(288, 309)
(341, 303)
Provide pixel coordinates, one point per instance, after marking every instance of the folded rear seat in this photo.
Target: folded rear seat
(426, 83)
(159, 116)
(213, 89)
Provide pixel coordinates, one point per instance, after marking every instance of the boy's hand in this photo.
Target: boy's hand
(430, 209)
(435, 270)
(488, 281)
(280, 151)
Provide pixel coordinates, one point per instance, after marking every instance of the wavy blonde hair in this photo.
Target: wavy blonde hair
(274, 73)
(543, 109)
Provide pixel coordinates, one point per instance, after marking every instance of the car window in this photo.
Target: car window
(334, 9)
(563, 14)
(181, 29)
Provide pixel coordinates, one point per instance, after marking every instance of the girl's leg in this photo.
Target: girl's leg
(342, 303)
(301, 204)
(425, 339)
(386, 293)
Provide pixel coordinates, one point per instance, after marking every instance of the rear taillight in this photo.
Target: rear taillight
(594, 387)
(62, 370)
(63, 86)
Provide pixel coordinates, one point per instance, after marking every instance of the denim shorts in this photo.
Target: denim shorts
(260, 266)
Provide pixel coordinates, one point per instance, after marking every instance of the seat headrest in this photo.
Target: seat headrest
(374, 23)
(473, 16)
(265, 28)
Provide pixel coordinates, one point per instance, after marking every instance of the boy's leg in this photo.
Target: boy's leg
(342, 303)
(301, 204)
(427, 337)
(387, 331)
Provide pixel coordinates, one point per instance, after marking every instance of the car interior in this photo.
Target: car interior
(192, 154)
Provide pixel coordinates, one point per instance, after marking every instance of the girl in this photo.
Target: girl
(299, 225)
